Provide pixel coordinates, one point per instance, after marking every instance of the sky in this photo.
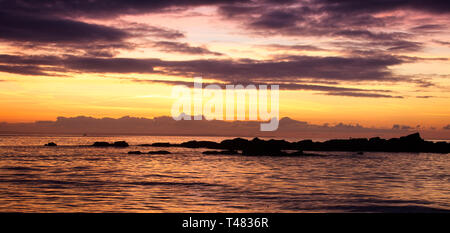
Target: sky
(373, 63)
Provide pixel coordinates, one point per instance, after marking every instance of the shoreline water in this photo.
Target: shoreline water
(35, 178)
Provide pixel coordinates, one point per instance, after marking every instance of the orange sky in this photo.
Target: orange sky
(421, 78)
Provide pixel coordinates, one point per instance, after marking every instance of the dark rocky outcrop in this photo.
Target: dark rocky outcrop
(107, 144)
(101, 144)
(159, 152)
(234, 144)
(201, 144)
(50, 144)
(261, 147)
(134, 152)
(409, 143)
(159, 144)
(120, 144)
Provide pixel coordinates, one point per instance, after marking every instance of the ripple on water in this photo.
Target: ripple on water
(72, 178)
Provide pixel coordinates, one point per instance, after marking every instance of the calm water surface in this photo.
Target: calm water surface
(70, 178)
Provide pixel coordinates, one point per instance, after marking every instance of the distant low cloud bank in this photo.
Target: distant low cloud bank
(165, 125)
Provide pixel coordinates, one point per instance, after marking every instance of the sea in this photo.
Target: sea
(73, 177)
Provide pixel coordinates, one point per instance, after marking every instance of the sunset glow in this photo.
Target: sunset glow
(333, 63)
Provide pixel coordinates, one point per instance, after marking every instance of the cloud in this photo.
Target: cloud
(374, 6)
(429, 28)
(103, 8)
(360, 94)
(34, 64)
(165, 125)
(110, 65)
(322, 18)
(54, 30)
(321, 89)
(401, 127)
(369, 50)
(179, 47)
(23, 70)
(234, 11)
(59, 22)
(305, 20)
(316, 17)
(312, 17)
(445, 43)
(401, 46)
(327, 68)
(146, 30)
(352, 69)
(44, 33)
(421, 82)
(29, 60)
(296, 47)
(447, 127)
(289, 86)
(277, 19)
(424, 96)
(387, 46)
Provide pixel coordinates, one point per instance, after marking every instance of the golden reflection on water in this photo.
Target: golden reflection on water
(69, 178)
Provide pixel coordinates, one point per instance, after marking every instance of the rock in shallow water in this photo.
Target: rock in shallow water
(159, 152)
(101, 144)
(134, 152)
(107, 144)
(120, 144)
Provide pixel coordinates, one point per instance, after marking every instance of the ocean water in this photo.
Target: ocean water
(74, 178)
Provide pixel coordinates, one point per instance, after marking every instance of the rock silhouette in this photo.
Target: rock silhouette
(200, 144)
(159, 152)
(120, 144)
(107, 144)
(101, 144)
(256, 146)
(134, 152)
(410, 143)
(270, 147)
(50, 144)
